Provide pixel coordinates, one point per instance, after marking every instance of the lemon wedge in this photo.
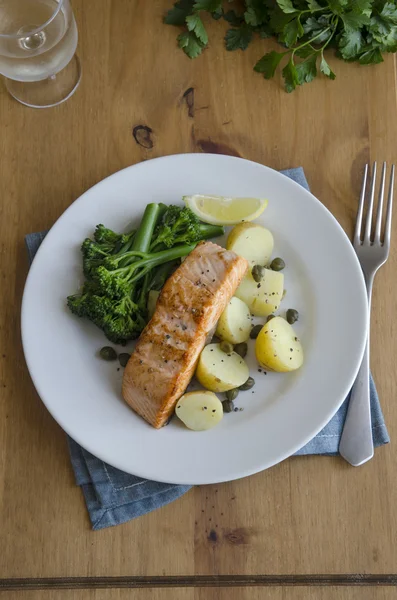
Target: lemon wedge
(218, 210)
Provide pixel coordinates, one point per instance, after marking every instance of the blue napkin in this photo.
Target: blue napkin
(114, 497)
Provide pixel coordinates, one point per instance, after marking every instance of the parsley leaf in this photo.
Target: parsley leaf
(389, 12)
(264, 31)
(178, 14)
(233, 18)
(350, 44)
(279, 20)
(194, 23)
(325, 68)
(361, 6)
(269, 63)
(338, 6)
(238, 39)
(256, 13)
(318, 28)
(190, 44)
(286, 6)
(211, 6)
(352, 20)
(290, 75)
(218, 14)
(292, 31)
(371, 57)
(250, 17)
(305, 51)
(307, 70)
(384, 32)
(313, 5)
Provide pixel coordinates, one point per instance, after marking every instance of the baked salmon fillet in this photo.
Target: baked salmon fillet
(187, 310)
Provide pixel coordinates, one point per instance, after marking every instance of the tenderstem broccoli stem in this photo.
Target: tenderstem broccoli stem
(127, 245)
(162, 210)
(143, 293)
(144, 234)
(211, 231)
(142, 238)
(159, 258)
(138, 269)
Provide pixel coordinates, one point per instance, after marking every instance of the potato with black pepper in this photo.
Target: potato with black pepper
(262, 296)
(278, 348)
(219, 371)
(234, 324)
(251, 241)
(199, 411)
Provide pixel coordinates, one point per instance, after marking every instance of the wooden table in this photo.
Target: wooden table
(313, 521)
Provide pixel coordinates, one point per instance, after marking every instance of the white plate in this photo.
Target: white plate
(323, 281)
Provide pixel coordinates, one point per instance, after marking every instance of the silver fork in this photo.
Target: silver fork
(356, 444)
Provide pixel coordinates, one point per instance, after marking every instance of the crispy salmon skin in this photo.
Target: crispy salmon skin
(188, 308)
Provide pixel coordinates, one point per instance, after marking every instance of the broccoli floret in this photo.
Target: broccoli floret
(104, 235)
(177, 223)
(93, 256)
(91, 249)
(111, 242)
(120, 321)
(112, 283)
(98, 307)
(181, 226)
(78, 304)
(106, 238)
(120, 329)
(125, 307)
(89, 304)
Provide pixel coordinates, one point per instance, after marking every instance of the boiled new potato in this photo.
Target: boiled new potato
(151, 302)
(199, 410)
(263, 297)
(220, 372)
(234, 324)
(277, 348)
(252, 242)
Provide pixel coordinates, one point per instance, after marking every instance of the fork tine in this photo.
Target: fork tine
(389, 209)
(359, 218)
(378, 225)
(368, 222)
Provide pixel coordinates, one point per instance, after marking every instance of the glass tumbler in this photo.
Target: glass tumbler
(38, 40)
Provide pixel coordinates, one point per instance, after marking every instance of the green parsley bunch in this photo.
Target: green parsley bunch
(357, 30)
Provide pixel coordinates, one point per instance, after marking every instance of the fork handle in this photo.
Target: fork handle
(356, 444)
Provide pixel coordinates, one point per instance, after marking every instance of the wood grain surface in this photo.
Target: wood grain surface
(140, 98)
(215, 594)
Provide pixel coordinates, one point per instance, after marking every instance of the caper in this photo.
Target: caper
(124, 358)
(241, 349)
(277, 264)
(226, 347)
(255, 331)
(269, 318)
(228, 406)
(248, 384)
(292, 316)
(257, 272)
(231, 394)
(108, 353)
